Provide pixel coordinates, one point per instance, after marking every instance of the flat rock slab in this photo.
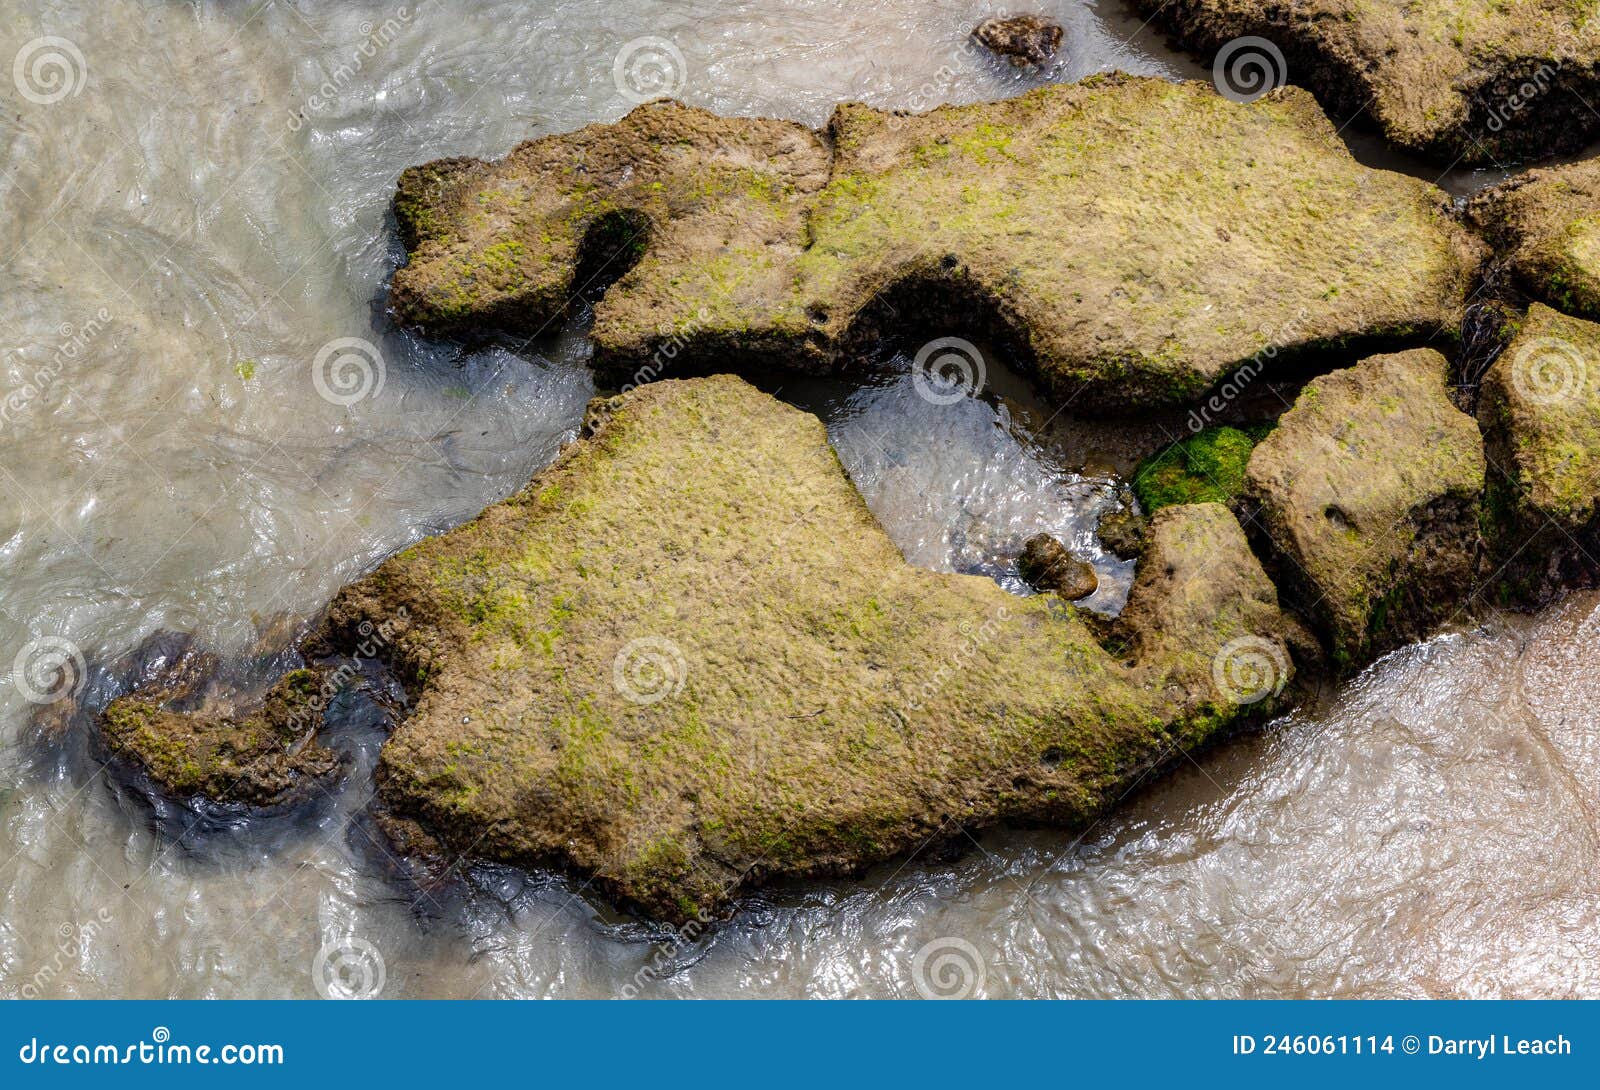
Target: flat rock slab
(687, 659)
(1463, 80)
(1369, 489)
(1134, 240)
(1546, 225)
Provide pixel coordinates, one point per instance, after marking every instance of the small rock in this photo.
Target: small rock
(1046, 565)
(1021, 39)
(1123, 533)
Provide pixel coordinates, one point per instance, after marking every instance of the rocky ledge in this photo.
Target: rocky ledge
(1133, 241)
(1461, 80)
(686, 659)
(1546, 223)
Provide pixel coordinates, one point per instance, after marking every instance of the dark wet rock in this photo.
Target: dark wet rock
(686, 659)
(1046, 565)
(1540, 413)
(1546, 225)
(1132, 240)
(1456, 79)
(1123, 532)
(265, 756)
(1022, 39)
(1369, 489)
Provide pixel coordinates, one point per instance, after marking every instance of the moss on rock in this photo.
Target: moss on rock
(1206, 467)
(1369, 489)
(266, 757)
(686, 659)
(1546, 224)
(1540, 413)
(1134, 240)
(1474, 81)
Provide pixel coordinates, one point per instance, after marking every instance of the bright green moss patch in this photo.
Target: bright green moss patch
(1207, 467)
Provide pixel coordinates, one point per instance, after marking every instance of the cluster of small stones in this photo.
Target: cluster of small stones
(686, 659)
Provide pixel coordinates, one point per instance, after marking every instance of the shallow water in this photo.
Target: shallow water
(194, 224)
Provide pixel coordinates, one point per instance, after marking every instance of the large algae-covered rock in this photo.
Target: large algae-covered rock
(1546, 223)
(686, 658)
(1540, 411)
(1132, 239)
(1471, 80)
(1369, 486)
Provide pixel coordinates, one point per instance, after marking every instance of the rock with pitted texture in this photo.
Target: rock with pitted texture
(1133, 241)
(1368, 489)
(1468, 81)
(1024, 40)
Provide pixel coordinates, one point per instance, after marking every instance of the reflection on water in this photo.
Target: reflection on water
(209, 425)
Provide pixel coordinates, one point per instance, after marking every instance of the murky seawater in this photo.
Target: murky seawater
(183, 233)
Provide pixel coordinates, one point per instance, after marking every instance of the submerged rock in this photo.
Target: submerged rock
(1369, 486)
(1458, 79)
(1132, 240)
(1540, 412)
(1021, 39)
(1123, 532)
(686, 659)
(1546, 223)
(265, 757)
(1046, 565)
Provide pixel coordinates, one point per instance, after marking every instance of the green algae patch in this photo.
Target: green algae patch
(1474, 81)
(686, 659)
(265, 757)
(1546, 226)
(1207, 467)
(1368, 490)
(1132, 240)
